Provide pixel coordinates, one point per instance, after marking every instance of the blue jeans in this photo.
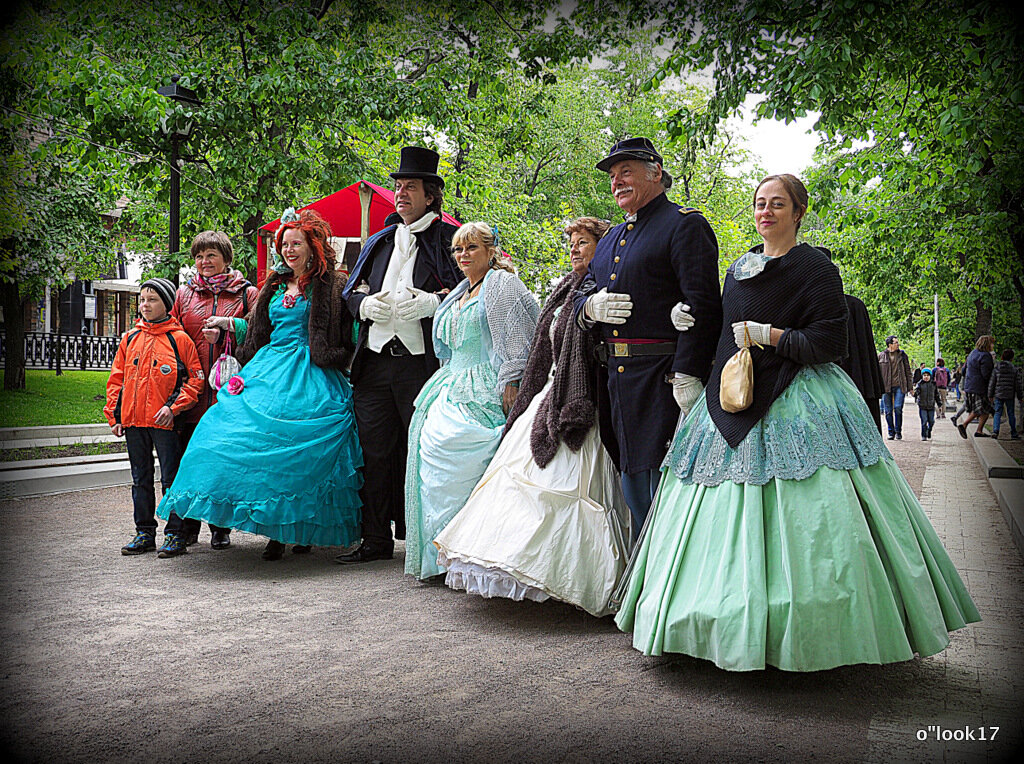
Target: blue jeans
(892, 405)
(927, 421)
(140, 442)
(1007, 404)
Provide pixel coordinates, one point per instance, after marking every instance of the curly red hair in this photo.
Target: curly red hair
(318, 235)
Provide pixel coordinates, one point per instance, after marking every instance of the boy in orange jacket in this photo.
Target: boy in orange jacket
(156, 376)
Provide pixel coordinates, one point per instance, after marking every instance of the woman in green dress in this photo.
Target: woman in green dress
(784, 534)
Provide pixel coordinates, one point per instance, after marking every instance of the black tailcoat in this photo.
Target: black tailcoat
(668, 255)
(435, 271)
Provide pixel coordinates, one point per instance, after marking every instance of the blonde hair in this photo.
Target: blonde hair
(482, 234)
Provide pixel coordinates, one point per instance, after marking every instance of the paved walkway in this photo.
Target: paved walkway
(219, 656)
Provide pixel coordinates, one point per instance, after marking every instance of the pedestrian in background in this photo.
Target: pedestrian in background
(895, 367)
(917, 373)
(1005, 384)
(940, 375)
(156, 377)
(925, 393)
(979, 371)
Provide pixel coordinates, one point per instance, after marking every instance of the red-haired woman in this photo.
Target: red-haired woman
(278, 455)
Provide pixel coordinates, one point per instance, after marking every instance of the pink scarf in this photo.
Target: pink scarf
(214, 284)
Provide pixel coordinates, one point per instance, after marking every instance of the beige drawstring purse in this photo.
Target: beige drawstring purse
(736, 390)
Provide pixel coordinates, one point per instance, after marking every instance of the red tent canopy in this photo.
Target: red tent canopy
(356, 213)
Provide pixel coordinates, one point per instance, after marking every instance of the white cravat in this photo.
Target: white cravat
(397, 280)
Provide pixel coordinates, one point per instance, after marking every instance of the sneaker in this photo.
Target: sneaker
(174, 545)
(899, 436)
(953, 420)
(981, 434)
(962, 430)
(144, 541)
(924, 437)
(892, 436)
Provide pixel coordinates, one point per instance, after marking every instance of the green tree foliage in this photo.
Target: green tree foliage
(920, 105)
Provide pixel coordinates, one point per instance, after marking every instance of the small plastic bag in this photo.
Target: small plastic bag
(225, 367)
(736, 390)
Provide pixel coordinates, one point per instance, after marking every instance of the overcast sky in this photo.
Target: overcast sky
(781, 147)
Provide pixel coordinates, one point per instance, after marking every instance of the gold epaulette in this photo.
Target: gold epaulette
(687, 210)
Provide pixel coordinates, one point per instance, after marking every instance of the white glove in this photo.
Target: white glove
(375, 308)
(686, 390)
(759, 333)
(608, 307)
(421, 305)
(681, 320)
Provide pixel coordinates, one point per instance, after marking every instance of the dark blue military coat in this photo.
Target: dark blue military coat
(668, 255)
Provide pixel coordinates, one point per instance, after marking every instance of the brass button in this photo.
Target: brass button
(616, 258)
(629, 227)
(613, 277)
(622, 243)
(622, 369)
(615, 332)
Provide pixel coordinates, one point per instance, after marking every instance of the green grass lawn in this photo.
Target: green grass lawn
(48, 399)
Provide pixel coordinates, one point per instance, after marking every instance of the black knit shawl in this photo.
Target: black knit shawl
(801, 293)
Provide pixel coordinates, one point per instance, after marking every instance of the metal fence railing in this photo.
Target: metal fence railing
(75, 351)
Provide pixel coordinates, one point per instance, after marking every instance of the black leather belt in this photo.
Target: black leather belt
(630, 349)
(394, 346)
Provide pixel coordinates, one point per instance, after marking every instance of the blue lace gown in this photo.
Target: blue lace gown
(454, 432)
(281, 459)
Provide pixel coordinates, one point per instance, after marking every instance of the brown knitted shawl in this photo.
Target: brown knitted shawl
(568, 411)
(330, 323)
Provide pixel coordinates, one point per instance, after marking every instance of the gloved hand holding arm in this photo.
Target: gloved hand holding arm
(608, 307)
(682, 320)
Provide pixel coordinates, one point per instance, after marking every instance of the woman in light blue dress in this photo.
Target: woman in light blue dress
(278, 455)
(482, 334)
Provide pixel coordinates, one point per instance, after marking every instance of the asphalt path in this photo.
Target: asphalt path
(219, 656)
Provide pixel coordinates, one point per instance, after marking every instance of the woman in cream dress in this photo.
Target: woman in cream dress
(547, 519)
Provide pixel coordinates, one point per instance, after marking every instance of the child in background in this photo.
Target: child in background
(1004, 385)
(925, 393)
(156, 376)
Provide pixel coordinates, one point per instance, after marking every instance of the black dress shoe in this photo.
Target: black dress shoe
(220, 539)
(302, 549)
(273, 551)
(365, 553)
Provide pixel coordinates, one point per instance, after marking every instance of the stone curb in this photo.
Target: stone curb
(46, 477)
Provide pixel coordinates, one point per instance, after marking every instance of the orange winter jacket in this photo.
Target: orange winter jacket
(156, 365)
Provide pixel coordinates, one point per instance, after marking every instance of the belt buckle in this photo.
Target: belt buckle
(620, 349)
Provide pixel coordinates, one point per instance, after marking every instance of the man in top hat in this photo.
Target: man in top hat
(663, 254)
(399, 279)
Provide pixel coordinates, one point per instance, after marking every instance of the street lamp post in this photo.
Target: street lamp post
(182, 95)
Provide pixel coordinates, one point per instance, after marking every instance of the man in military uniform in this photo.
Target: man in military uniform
(398, 281)
(662, 255)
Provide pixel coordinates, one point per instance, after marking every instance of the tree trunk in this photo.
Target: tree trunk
(14, 324)
(982, 319)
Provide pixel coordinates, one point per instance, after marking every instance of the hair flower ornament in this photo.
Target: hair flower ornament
(279, 266)
(235, 385)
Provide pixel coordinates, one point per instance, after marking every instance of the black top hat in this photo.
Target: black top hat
(631, 148)
(418, 162)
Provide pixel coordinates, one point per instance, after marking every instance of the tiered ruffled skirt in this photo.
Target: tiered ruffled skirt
(281, 459)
